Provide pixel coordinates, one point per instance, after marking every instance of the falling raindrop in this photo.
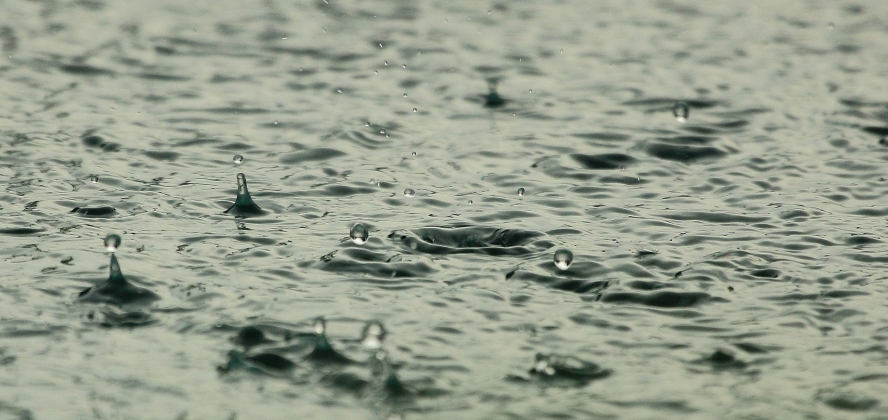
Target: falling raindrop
(409, 192)
(320, 325)
(414, 109)
(404, 65)
(405, 95)
(386, 63)
(94, 178)
(112, 242)
(373, 335)
(238, 159)
(563, 258)
(681, 112)
(359, 234)
(470, 202)
(520, 192)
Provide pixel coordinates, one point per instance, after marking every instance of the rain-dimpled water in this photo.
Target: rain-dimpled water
(443, 209)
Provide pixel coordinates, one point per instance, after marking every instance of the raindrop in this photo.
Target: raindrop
(320, 325)
(386, 63)
(94, 178)
(563, 258)
(367, 124)
(520, 192)
(112, 242)
(359, 234)
(470, 202)
(409, 192)
(529, 90)
(404, 65)
(238, 159)
(413, 154)
(414, 109)
(405, 95)
(338, 90)
(373, 335)
(380, 45)
(681, 112)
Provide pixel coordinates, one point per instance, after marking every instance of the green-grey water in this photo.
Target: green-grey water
(726, 263)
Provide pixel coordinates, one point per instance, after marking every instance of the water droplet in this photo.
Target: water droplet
(373, 335)
(413, 154)
(409, 192)
(94, 178)
(520, 192)
(367, 124)
(414, 109)
(238, 159)
(405, 95)
(529, 90)
(386, 63)
(359, 234)
(470, 202)
(404, 65)
(563, 258)
(831, 26)
(320, 325)
(338, 90)
(380, 45)
(112, 242)
(681, 112)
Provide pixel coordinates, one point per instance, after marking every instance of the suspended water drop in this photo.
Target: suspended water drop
(238, 159)
(380, 45)
(563, 258)
(112, 242)
(373, 335)
(386, 63)
(470, 202)
(413, 154)
(681, 112)
(409, 192)
(359, 234)
(405, 95)
(520, 192)
(367, 124)
(320, 325)
(94, 178)
(405, 66)
(338, 90)
(529, 90)
(414, 109)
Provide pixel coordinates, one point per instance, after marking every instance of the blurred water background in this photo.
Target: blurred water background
(728, 266)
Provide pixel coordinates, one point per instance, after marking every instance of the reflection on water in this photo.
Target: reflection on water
(678, 206)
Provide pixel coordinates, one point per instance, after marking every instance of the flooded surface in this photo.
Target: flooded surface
(716, 175)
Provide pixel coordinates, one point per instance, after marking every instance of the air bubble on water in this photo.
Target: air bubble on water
(409, 192)
(520, 192)
(94, 178)
(320, 325)
(238, 159)
(112, 242)
(359, 234)
(563, 258)
(373, 335)
(681, 112)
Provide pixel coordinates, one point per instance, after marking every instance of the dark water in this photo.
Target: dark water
(731, 266)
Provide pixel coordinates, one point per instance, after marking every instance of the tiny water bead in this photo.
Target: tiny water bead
(112, 242)
(320, 325)
(681, 112)
(94, 178)
(359, 234)
(373, 335)
(409, 192)
(413, 154)
(238, 159)
(520, 192)
(563, 259)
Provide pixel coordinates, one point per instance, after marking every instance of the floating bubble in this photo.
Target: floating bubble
(238, 159)
(681, 112)
(359, 234)
(409, 192)
(373, 335)
(520, 192)
(563, 258)
(112, 242)
(94, 178)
